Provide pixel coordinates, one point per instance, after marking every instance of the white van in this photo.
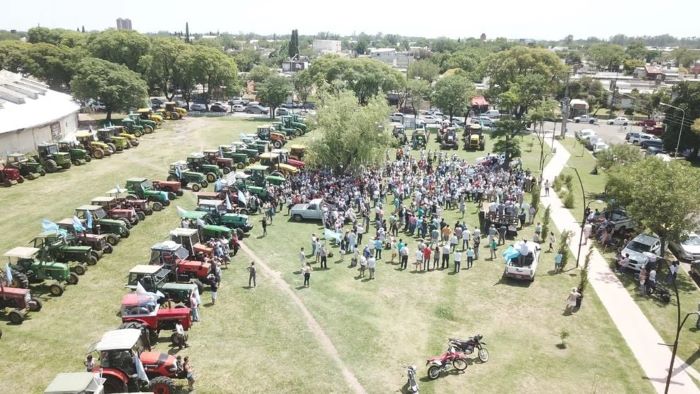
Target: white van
(492, 113)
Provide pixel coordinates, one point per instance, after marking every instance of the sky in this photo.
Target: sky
(537, 19)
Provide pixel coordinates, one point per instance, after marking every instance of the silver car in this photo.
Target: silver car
(639, 250)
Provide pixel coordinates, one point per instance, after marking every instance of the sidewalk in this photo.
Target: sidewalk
(641, 337)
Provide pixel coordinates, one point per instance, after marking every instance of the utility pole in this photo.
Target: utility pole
(565, 108)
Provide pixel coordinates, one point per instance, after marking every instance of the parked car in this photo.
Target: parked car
(282, 111)
(591, 141)
(645, 137)
(639, 137)
(584, 134)
(198, 107)
(257, 109)
(396, 117)
(218, 107)
(619, 121)
(656, 142)
(688, 249)
(492, 113)
(654, 150)
(600, 146)
(484, 121)
(639, 249)
(238, 108)
(631, 134)
(585, 119)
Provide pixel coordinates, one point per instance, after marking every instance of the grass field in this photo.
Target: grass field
(257, 340)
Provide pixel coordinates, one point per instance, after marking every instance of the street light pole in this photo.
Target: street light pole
(680, 131)
(678, 334)
(583, 194)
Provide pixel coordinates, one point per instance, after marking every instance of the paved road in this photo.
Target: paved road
(609, 134)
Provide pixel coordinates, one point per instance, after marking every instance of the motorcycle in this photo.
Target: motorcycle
(468, 346)
(411, 384)
(444, 362)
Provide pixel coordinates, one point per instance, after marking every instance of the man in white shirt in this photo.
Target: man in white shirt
(445, 256)
(458, 260)
(466, 234)
(372, 265)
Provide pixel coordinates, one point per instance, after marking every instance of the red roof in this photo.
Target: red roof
(653, 70)
(479, 101)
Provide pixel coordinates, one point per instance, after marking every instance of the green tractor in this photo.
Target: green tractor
(122, 131)
(149, 126)
(197, 162)
(111, 137)
(27, 166)
(54, 246)
(50, 158)
(242, 147)
(100, 219)
(181, 173)
(261, 175)
(240, 159)
(143, 188)
(26, 269)
(132, 128)
(78, 155)
(292, 122)
(289, 132)
(96, 149)
(103, 241)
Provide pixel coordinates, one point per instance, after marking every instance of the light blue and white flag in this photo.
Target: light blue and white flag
(8, 273)
(241, 198)
(88, 219)
(77, 225)
(228, 202)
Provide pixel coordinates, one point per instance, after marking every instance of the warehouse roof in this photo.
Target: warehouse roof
(25, 103)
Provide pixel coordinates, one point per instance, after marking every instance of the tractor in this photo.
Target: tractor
(174, 257)
(115, 211)
(474, 142)
(142, 188)
(399, 132)
(149, 126)
(147, 114)
(75, 382)
(418, 140)
(127, 201)
(171, 111)
(50, 158)
(27, 166)
(97, 242)
(116, 352)
(78, 155)
(26, 269)
(129, 126)
(53, 246)
(261, 175)
(96, 149)
(197, 162)
(294, 122)
(273, 162)
(111, 137)
(180, 172)
(16, 302)
(253, 142)
(297, 152)
(10, 176)
(217, 214)
(143, 312)
(239, 159)
(241, 147)
(101, 224)
(286, 158)
(217, 157)
(267, 133)
(449, 139)
(189, 239)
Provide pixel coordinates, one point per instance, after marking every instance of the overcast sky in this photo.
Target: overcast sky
(539, 19)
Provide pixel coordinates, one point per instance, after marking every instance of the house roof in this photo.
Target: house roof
(479, 101)
(25, 103)
(653, 69)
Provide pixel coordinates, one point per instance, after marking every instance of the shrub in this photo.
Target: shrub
(563, 247)
(536, 190)
(569, 181)
(545, 223)
(569, 200)
(556, 184)
(584, 271)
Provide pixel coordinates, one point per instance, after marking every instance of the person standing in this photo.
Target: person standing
(552, 241)
(306, 271)
(363, 266)
(470, 257)
(419, 258)
(213, 288)
(264, 225)
(461, 208)
(372, 265)
(502, 234)
(313, 245)
(465, 237)
(427, 251)
(302, 258)
(324, 256)
(642, 281)
(493, 247)
(445, 256)
(453, 241)
(546, 187)
(403, 253)
(477, 244)
(557, 262)
(672, 272)
(189, 373)
(458, 261)
(532, 213)
(571, 300)
(378, 245)
(251, 275)
(89, 363)
(194, 306)
(652, 279)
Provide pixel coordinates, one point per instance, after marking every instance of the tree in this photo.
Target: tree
(507, 131)
(293, 47)
(607, 57)
(259, 73)
(303, 84)
(417, 90)
(119, 46)
(687, 96)
(216, 71)
(618, 155)
(115, 85)
(246, 59)
(423, 69)
(453, 94)
(668, 214)
(350, 136)
(273, 92)
(187, 32)
(159, 64)
(362, 44)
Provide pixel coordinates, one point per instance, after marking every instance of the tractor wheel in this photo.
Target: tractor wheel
(171, 196)
(240, 165)
(42, 172)
(134, 143)
(51, 166)
(88, 158)
(7, 183)
(137, 133)
(112, 147)
(126, 222)
(174, 115)
(204, 184)
(95, 255)
(79, 269)
(56, 290)
(34, 304)
(108, 249)
(112, 239)
(114, 385)
(195, 187)
(76, 162)
(141, 215)
(211, 177)
(20, 179)
(66, 165)
(298, 132)
(15, 317)
(126, 233)
(98, 154)
(180, 193)
(199, 284)
(157, 206)
(277, 144)
(147, 129)
(148, 211)
(161, 385)
(135, 220)
(73, 279)
(226, 170)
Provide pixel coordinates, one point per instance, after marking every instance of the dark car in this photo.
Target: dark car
(257, 109)
(216, 107)
(282, 111)
(655, 150)
(649, 143)
(629, 135)
(309, 105)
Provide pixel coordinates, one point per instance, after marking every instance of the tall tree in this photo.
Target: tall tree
(293, 47)
(119, 46)
(350, 136)
(618, 155)
(216, 71)
(158, 65)
(246, 59)
(685, 95)
(669, 214)
(273, 92)
(303, 84)
(506, 132)
(187, 32)
(423, 69)
(608, 57)
(260, 73)
(115, 85)
(453, 94)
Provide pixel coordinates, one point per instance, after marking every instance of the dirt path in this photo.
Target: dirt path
(311, 322)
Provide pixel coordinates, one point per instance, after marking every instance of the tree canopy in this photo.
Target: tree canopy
(350, 136)
(273, 92)
(453, 94)
(119, 46)
(618, 155)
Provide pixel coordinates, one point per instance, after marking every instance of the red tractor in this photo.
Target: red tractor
(174, 187)
(216, 156)
(122, 353)
(10, 176)
(174, 257)
(142, 311)
(115, 211)
(17, 303)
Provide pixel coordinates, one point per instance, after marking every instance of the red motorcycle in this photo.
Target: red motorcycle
(445, 362)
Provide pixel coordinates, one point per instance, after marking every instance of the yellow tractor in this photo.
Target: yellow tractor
(96, 149)
(148, 114)
(172, 112)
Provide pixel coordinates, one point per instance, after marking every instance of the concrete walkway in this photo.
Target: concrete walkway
(641, 337)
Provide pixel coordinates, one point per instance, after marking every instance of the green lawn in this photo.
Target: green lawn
(594, 184)
(257, 341)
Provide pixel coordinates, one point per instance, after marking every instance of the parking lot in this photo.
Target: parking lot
(609, 134)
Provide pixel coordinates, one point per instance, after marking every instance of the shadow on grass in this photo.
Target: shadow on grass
(513, 282)
(451, 372)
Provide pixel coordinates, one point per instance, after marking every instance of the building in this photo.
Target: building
(321, 47)
(392, 57)
(295, 65)
(123, 24)
(31, 113)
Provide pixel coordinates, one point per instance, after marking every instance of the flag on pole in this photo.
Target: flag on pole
(8, 273)
(140, 372)
(221, 151)
(77, 226)
(181, 212)
(241, 198)
(118, 189)
(218, 185)
(49, 226)
(88, 218)
(178, 174)
(228, 202)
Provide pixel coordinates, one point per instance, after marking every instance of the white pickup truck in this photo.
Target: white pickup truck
(311, 211)
(522, 269)
(585, 119)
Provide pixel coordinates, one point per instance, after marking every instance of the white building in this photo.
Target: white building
(123, 24)
(322, 47)
(31, 113)
(392, 57)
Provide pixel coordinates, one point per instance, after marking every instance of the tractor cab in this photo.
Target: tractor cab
(259, 175)
(114, 209)
(144, 309)
(130, 129)
(25, 261)
(297, 151)
(189, 239)
(173, 256)
(171, 106)
(78, 155)
(111, 136)
(145, 189)
(275, 164)
(148, 114)
(198, 162)
(212, 207)
(287, 158)
(99, 216)
(76, 382)
(216, 157)
(28, 167)
(151, 277)
(268, 133)
(52, 158)
(16, 302)
(418, 140)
